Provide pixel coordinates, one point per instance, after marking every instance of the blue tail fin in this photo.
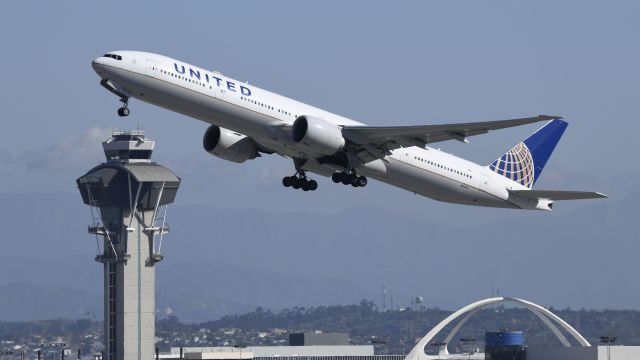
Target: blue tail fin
(525, 161)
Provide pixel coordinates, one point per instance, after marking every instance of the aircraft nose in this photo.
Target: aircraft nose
(98, 65)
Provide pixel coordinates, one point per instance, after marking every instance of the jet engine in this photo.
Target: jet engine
(229, 145)
(317, 136)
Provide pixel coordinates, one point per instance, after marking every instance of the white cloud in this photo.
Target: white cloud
(69, 152)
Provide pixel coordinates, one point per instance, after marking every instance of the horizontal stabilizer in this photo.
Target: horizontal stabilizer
(556, 194)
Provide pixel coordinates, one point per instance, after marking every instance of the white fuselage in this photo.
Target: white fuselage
(266, 117)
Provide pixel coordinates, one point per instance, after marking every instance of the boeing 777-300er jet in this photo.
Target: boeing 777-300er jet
(247, 121)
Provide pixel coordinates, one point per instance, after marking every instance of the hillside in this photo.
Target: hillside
(246, 258)
(399, 329)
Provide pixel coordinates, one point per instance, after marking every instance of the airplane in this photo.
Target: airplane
(246, 122)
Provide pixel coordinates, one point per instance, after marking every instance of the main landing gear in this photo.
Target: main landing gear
(124, 110)
(299, 181)
(349, 178)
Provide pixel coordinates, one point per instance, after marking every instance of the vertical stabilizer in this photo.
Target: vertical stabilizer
(525, 161)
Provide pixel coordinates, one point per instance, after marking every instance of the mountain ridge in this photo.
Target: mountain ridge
(280, 259)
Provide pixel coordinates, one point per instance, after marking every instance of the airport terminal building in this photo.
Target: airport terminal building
(498, 345)
(302, 346)
(316, 352)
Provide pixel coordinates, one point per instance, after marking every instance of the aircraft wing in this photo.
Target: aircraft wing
(375, 142)
(557, 194)
(393, 137)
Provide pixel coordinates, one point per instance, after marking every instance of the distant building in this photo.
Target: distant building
(600, 352)
(314, 352)
(509, 345)
(302, 346)
(311, 339)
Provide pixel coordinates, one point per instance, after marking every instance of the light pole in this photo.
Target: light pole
(608, 340)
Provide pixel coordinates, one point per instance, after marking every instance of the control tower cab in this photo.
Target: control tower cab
(128, 195)
(128, 147)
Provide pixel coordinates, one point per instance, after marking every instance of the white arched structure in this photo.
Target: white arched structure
(547, 317)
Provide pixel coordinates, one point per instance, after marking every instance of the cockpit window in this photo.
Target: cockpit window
(113, 56)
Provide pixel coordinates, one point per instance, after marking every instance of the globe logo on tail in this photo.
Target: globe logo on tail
(517, 165)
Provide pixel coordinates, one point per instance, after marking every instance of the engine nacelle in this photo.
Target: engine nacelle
(318, 136)
(229, 145)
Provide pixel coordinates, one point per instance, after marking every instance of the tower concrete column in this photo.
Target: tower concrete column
(128, 195)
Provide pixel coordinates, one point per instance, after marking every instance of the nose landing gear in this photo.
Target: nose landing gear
(349, 178)
(124, 110)
(120, 92)
(300, 181)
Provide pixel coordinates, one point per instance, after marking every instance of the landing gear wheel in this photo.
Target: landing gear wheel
(299, 180)
(349, 178)
(353, 180)
(123, 111)
(344, 178)
(295, 182)
(304, 185)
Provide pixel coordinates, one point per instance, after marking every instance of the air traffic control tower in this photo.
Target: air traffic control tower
(128, 195)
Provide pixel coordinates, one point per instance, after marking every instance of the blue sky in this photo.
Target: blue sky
(384, 63)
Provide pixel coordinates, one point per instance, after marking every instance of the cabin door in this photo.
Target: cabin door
(484, 182)
(151, 68)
